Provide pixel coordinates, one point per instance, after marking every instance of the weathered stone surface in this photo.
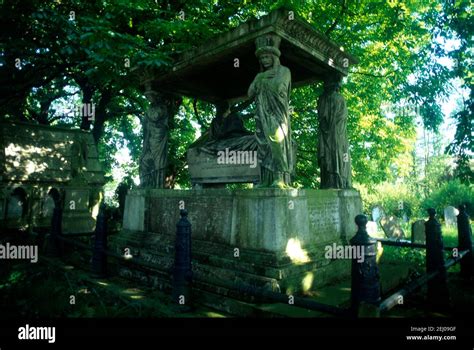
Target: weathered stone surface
(42, 153)
(450, 216)
(213, 263)
(391, 227)
(377, 213)
(205, 72)
(38, 160)
(372, 228)
(135, 213)
(333, 147)
(265, 237)
(271, 89)
(205, 168)
(154, 157)
(350, 205)
(418, 232)
(264, 219)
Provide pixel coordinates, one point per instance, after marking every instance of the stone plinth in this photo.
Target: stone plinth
(264, 237)
(263, 219)
(205, 168)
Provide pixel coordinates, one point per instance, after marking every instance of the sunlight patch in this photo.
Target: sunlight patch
(294, 251)
(280, 133)
(307, 281)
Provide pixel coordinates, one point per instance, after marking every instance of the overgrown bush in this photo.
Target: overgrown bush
(395, 199)
(450, 193)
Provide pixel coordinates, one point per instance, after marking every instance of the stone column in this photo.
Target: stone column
(333, 148)
(154, 158)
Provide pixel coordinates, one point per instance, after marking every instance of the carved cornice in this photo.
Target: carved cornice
(318, 44)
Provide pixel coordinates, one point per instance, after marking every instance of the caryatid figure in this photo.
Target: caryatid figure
(154, 158)
(333, 148)
(271, 89)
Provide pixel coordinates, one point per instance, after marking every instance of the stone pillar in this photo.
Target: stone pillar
(465, 242)
(365, 276)
(154, 158)
(182, 269)
(438, 292)
(333, 147)
(99, 256)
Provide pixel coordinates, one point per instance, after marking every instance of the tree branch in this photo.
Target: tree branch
(196, 112)
(336, 21)
(374, 75)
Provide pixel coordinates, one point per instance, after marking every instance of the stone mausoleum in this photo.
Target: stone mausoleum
(271, 235)
(43, 167)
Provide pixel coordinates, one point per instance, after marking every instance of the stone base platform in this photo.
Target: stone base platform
(269, 238)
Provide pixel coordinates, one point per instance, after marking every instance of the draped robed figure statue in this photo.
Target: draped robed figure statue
(271, 90)
(333, 146)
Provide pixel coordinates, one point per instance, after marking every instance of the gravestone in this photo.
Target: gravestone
(15, 207)
(48, 206)
(418, 232)
(450, 216)
(371, 228)
(391, 227)
(405, 217)
(377, 213)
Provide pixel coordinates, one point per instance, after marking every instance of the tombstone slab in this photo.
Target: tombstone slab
(377, 213)
(391, 227)
(371, 228)
(418, 232)
(450, 216)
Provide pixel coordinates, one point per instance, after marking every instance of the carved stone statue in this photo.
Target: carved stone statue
(333, 150)
(226, 131)
(271, 89)
(154, 158)
(79, 154)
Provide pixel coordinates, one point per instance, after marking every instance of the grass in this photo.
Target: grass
(52, 288)
(417, 257)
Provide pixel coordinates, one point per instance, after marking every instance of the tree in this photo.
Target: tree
(98, 50)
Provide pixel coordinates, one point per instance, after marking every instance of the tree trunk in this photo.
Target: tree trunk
(101, 114)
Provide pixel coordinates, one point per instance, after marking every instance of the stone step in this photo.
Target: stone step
(159, 250)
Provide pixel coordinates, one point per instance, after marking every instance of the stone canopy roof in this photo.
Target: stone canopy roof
(209, 73)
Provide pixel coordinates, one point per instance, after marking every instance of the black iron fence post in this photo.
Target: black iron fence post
(365, 284)
(53, 247)
(438, 294)
(99, 257)
(182, 272)
(465, 242)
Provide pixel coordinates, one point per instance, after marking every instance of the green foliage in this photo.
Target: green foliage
(459, 24)
(395, 199)
(451, 193)
(392, 197)
(83, 56)
(415, 257)
(463, 145)
(438, 171)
